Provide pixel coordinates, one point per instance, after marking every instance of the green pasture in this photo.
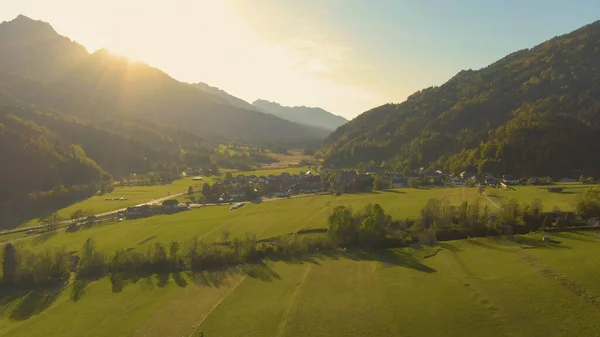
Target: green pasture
(496, 286)
(270, 218)
(564, 200)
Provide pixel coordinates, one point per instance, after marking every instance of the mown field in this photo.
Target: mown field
(475, 287)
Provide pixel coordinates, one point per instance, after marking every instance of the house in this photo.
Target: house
(510, 179)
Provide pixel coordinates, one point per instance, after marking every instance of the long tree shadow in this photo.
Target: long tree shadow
(43, 238)
(527, 242)
(482, 244)
(261, 271)
(575, 236)
(390, 258)
(35, 302)
(394, 191)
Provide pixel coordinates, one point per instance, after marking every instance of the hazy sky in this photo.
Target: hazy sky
(346, 56)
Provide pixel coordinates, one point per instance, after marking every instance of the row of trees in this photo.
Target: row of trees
(367, 228)
(24, 269)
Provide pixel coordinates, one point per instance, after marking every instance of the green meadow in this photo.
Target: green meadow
(564, 200)
(270, 218)
(496, 286)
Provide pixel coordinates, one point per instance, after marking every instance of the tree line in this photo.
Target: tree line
(368, 228)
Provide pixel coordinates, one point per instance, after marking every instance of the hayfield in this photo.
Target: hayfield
(476, 287)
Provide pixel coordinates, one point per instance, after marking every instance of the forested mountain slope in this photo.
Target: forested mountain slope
(102, 85)
(301, 114)
(534, 112)
(39, 169)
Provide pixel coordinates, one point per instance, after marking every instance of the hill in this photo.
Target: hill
(102, 84)
(534, 112)
(301, 114)
(40, 171)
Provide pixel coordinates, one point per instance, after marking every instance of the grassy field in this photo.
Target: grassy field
(475, 287)
(565, 200)
(134, 195)
(283, 161)
(277, 217)
(275, 172)
(267, 219)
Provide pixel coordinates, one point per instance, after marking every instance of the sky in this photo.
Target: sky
(346, 56)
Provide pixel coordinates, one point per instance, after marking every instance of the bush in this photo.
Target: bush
(588, 205)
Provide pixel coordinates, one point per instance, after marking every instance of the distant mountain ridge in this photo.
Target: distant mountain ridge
(301, 114)
(237, 102)
(104, 83)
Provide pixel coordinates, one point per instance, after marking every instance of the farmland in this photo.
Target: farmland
(474, 287)
(494, 286)
(279, 217)
(133, 194)
(265, 220)
(565, 200)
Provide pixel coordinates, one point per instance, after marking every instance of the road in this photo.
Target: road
(100, 215)
(154, 201)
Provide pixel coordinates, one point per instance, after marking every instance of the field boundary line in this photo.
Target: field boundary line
(554, 276)
(491, 201)
(290, 304)
(216, 305)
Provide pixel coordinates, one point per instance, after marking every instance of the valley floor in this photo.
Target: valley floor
(476, 287)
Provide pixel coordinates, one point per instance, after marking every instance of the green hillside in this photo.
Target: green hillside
(534, 112)
(39, 169)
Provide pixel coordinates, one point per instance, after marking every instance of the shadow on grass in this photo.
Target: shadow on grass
(390, 258)
(521, 241)
(483, 244)
(449, 246)
(44, 237)
(393, 191)
(261, 270)
(147, 240)
(575, 236)
(35, 302)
